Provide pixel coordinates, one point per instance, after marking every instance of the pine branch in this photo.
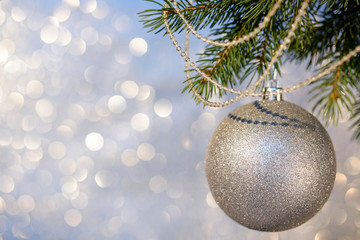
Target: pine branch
(332, 95)
(356, 117)
(329, 30)
(236, 64)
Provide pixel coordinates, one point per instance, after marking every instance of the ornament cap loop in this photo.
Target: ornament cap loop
(273, 93)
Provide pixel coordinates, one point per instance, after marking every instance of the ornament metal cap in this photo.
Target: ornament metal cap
(272, 86)
(269, 95)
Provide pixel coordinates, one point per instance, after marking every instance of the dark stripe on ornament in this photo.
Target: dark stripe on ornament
(284, 117)
(298, 123)
(284, 124)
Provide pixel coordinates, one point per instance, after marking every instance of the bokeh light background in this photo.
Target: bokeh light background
(97, 141)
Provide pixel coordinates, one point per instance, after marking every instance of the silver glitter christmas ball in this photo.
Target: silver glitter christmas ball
(270, 165)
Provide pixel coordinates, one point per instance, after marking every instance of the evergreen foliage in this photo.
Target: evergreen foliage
(330, 29)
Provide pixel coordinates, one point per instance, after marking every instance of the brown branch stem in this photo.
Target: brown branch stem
(172, 11)
(335, 92)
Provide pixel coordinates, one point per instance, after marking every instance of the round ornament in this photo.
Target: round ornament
(270, 165)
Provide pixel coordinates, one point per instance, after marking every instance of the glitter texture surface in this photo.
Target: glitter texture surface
(270, 165)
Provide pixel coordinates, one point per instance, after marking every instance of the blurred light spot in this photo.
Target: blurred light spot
(112, 227)
(15, 100)
(76, 112)
(121, 23)
(94, 141)
(90, 73)
(272, 236)
(174, 211)
(354, 183)
(138, 46)
(159, 162)
(37, 58)
(29, 123)
(57, 150)
(73, 217)
(129, 89)
(145, 92)
(2, 206)
(101, 107)
(65, 131)
(10, 26)
(146, 151)
(129, 157)
(72, 3)
(34, 155)
(67, 166)
(93, 116)
(77, 47)
(352, 198)
(44, 108)
(357, 221)
(64, 37)
(140, 122)
(104, 178)
(5, 137)
(89, 35)
(122, 57)
(340, 181)
(163, 108)
(69, 185)
(15, 67)
(211, 201)
(18, 142)
(62, 13)
(80, 202)
(85, 162)
(117, 104)
(49, 33)
(34, 89)
(19, 231)
(88, 6)
(324, 235)
(12, 207)
(2, 16)
(4, 53)
(352, 165)
(13, 121)
(26, 203)
(32, 141)
(101, 11)
(186, 143)
(175, 190)
(157, 184)
(105, 40)
(338, 216)
(81, 174)
(18, 14)
(7, 184)
(207, 120)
